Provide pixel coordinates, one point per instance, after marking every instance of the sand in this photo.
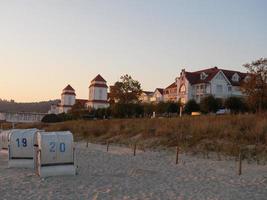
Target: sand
(149, 175)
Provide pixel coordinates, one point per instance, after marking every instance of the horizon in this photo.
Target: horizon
(48, 45)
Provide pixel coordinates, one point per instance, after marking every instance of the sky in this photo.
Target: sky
(47, 44)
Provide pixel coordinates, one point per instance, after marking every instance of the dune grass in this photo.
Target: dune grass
(222, 135)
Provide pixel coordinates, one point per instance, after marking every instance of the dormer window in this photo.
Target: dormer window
(235, 77)
(203, 76)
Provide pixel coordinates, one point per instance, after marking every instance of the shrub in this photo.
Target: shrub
(51, 118)
(209, 104)
(191, 106)
(235, 104)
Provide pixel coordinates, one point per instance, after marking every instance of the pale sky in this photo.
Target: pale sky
(47, 44)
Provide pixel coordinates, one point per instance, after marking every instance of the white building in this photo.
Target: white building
(98, 93)
(220, 83)
(68, 99)
(157, 95)
(170, 93)
(145, 96)
(98, 97)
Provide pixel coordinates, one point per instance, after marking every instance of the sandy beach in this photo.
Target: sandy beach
(117, 174)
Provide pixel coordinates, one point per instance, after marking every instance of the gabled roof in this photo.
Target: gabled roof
(229, 74)
(160, 90)
(148, 92)
(194, 77)
(173, 85)
(99, 78)
(68, 87)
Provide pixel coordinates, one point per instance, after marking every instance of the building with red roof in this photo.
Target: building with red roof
(170, 93)
(98, 93)
(97, 97)
(157, 95)
(220, 83)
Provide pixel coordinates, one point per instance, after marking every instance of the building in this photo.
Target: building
(220, 83)
(68, 99)
(170, 93)
(146, 96)
(157, 95)
(98, 95)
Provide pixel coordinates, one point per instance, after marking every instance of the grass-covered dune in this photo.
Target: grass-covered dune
(224, 135)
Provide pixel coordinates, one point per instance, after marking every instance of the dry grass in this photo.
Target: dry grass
(223, 135)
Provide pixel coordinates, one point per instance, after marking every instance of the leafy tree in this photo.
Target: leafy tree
(209, 104)
(125, 91)
(77, 111)
(235, 104)
(149, 108)
(191, 106)
(161, 108)
(255, 85)
(65, 117)
(173, 107)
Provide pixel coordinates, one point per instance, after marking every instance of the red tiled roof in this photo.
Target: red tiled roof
(99, 85)
(98, 101)
(68, 88)
(194, 77)
(99, 78)
(229, 74)
(68, 93)
(173, 85)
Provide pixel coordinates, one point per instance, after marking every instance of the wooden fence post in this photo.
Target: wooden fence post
(240, 163)
(107, 146)
(177, 155)
(87, 143)
(134, 149)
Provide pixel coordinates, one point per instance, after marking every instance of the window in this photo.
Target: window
(100, 94)
(69, 103)
(219, 88)
(203, 76)
(229, 89)
(235, 77)
(182, 89)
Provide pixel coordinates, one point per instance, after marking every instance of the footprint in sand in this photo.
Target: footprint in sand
(100, 193)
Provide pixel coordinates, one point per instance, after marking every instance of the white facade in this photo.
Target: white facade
(98, 97)
(68, 99)
(157, 96)
(98, 93)
(213, 81)
(146, 96)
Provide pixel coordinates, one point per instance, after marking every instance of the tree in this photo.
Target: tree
(125, 91)
(172, 107)
(235, 104)
(255, 85)
(209, 104)
(78, 111)
(191, 106)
